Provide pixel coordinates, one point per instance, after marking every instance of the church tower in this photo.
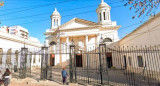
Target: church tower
(103, 12)
(55, 19)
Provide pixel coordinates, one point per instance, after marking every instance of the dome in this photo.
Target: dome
(55, 13)
(103, 4)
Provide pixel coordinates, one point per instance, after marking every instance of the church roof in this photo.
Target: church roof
(79, 21)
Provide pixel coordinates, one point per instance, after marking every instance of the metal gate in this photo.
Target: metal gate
(90, 66)
(133, 66)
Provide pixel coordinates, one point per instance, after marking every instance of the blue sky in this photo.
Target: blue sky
(34, 15)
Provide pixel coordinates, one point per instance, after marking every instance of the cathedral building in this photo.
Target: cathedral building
(84, 34)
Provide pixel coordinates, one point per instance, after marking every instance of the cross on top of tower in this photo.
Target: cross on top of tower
(102, 1)
(55, 9)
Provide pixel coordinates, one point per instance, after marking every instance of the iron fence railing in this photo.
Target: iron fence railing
(101, 65)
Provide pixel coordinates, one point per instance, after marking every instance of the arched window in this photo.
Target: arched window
(8, 61)
(1, 55)
(52, 43)
(57, 22)
(54, 22)
(100, 16)
(107, 40)
(104, 15)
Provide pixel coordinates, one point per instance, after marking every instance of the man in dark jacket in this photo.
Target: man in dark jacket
(64, 75)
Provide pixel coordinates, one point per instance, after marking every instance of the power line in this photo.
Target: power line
(59, 11)
(49, 5)
(37, 6)
(34, 7)
(62, 16)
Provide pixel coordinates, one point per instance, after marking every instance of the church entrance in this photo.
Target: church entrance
(52, 59)
(109, 59)
(79, 60)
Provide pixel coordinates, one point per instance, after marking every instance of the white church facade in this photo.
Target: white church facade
(85, 34)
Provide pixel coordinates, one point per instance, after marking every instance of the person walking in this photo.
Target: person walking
(6, 77)
(64, 75)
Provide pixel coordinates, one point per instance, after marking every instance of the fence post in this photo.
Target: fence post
(102, 54)
(87, 66)
(72, 55)
(22, 72)
(44, 63)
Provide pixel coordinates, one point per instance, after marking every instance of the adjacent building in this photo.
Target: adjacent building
(12, 39)
(141, 46)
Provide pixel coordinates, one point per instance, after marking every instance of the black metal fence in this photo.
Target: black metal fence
(26, 62)
(134, 66)
(96, 65)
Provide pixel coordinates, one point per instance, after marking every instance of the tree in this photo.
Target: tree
(142, 6)
(1, 3)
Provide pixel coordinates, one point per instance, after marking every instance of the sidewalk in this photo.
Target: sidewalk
(32, 82)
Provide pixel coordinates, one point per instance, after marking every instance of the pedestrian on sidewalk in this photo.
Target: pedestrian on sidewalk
(64, 75)
(6, 77)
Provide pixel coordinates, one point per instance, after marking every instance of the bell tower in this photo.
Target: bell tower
(55, 19)
(103, 12)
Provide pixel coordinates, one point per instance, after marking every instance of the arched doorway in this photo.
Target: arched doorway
(109, 59)
(52, 51)
(52, 59)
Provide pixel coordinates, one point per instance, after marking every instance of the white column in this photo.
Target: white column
(86, 42)
(98, 39)
(59, 21)
(52, 23)
(109, 16)
(55, 22)
(98, 17)
(57, 55)
(67, 41)
(102, 17)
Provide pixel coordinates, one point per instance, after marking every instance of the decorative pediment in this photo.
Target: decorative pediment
(77, 23)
